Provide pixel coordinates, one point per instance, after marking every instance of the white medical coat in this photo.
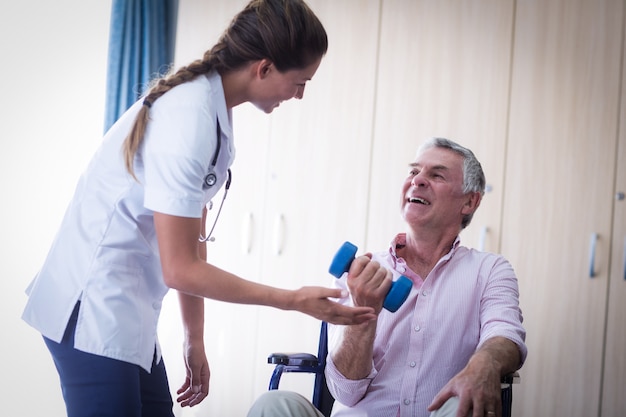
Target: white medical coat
(105, 253)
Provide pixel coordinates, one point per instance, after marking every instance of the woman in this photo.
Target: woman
(132, 229)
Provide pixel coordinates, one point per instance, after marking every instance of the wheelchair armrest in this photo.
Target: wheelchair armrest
(292, 362)
(293, 359)
(506, 384)
(512, 378)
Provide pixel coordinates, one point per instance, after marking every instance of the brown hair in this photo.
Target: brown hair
(285, 32)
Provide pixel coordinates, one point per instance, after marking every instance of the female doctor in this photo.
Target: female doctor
(132, 229)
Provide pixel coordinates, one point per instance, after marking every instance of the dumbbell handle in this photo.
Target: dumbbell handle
(399, 290)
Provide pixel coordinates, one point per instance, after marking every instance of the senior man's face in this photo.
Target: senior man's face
(432, 194)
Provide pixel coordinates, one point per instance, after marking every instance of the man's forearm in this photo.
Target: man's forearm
(501, 352)
(353, 355)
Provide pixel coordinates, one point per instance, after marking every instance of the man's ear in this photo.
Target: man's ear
(472, 201)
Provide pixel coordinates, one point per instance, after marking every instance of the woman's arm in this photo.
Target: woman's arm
(196, 385)
(185, 271)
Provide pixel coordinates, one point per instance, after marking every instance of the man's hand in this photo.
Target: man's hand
(478, 385)
(478, 392)
(368, 282)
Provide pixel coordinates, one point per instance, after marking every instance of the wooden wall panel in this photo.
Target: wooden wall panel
(444, 70)
(558, 193)
(613, 401)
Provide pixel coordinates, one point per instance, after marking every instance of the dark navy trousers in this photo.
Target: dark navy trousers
(96, 386)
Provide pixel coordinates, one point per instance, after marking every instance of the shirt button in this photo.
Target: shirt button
(418, 328)
(401, 268)
(424, 293)
(407, 402)
(412, 364)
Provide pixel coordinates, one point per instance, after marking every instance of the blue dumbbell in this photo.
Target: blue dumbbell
(399, 290)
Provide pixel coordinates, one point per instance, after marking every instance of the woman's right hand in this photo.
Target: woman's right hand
(317, 302)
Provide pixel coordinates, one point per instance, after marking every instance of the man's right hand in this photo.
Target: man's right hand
(368, 282)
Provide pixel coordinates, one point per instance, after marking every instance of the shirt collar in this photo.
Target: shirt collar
(400, 241)
(224, 115)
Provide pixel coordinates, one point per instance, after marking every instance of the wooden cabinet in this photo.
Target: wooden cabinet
(560, 174)
(613, 401)
(443, 70)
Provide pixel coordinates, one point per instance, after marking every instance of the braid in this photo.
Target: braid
(160, 87)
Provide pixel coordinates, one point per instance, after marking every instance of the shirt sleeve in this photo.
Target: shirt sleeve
(500, 313)
(347, 391)
(177, 151)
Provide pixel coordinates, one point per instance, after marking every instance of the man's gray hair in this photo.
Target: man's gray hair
(473, 175)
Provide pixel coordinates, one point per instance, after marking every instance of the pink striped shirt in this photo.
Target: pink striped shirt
(468, 297)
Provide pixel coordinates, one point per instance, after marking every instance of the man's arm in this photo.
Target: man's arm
(501, 351)
(353, 356)
(369, 284)
(478, 384)
(350, 366)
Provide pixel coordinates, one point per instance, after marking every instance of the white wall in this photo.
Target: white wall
(54, 56)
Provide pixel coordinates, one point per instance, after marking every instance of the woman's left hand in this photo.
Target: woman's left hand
(196, 386)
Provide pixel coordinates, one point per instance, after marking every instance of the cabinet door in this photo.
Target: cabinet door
(560, 166)
(443, 70)
(318, 171)
(613, 402)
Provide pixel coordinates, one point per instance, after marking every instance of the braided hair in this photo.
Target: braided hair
(286, 32)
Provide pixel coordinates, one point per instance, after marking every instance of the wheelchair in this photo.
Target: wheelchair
(322, 398)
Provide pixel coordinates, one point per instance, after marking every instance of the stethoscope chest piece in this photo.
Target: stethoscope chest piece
(209, 180)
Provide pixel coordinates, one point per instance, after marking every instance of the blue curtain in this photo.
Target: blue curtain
(141, 47)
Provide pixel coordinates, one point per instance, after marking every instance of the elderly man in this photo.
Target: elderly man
(446, 348)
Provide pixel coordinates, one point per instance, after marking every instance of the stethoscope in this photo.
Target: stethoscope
(210, 180)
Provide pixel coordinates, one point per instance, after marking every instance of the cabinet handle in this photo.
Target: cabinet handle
(624, 270)
(247, 230)
(592, 255)
(482, 237)
(620, 196)
(279, 234)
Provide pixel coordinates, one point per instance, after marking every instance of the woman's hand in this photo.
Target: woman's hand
(316, 302)
(196, 386)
